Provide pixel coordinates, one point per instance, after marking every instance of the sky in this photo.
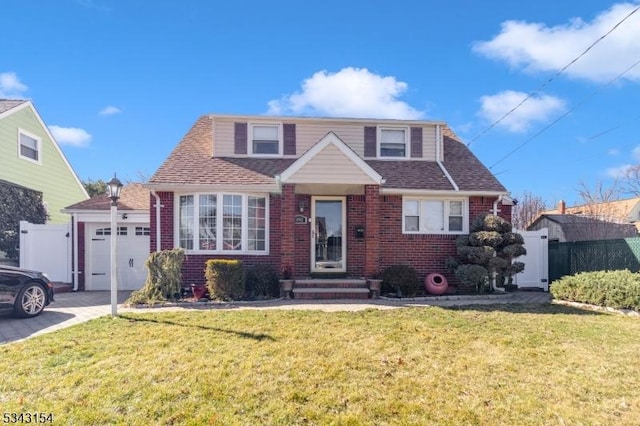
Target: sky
(120, 82)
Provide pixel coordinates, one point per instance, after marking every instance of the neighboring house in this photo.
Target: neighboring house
(618, 211)
(323, 196)
(92, 235)
(30, 157)
(573, 227)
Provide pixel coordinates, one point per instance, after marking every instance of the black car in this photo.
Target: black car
(24, 293)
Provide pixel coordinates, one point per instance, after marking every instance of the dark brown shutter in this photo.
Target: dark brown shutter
(289, 139)
(240, 138)
(370, 135)
(416, 142)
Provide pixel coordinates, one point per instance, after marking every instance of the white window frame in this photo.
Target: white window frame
(219, 224)
(407, 142)
(38, 148)
(422, 215)
(280, 139)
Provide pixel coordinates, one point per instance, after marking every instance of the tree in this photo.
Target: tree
(17, 203)
(489, 249)
(95, 187)
(527, 210)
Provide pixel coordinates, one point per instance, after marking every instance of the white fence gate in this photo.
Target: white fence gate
(536, 261)
(46, 248)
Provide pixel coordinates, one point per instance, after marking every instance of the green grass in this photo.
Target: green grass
(488, 366)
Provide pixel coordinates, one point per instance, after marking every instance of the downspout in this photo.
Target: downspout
(439, 162)
(495, 205)
(493, 280)
(157, 205)
(76, 273)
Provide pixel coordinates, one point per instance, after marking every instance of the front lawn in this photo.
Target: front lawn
(474, 365)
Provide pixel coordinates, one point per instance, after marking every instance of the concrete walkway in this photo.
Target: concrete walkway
(74, 308)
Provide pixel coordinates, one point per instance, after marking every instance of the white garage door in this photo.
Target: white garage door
(132, 252)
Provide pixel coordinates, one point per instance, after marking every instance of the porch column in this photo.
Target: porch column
(372, 229)
(287, 226)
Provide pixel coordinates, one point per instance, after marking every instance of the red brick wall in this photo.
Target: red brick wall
(166, 220)
(290, 242)
(302, 262)
(356, 247)
(426, 253)
(193, 267)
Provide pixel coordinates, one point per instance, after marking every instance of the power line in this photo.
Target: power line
(553, 77)
(582, 101)
(604, 132)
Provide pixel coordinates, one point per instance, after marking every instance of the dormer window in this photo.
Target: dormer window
(393, 142)
(265, 139)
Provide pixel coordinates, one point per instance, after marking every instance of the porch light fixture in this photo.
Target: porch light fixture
(301, 206)
(114, 187)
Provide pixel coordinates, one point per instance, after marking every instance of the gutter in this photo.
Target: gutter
(439, 162)
(157, 205)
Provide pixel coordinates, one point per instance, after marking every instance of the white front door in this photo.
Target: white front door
(328, 237)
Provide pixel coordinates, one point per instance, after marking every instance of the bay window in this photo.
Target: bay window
(434, 216)
(225, 223)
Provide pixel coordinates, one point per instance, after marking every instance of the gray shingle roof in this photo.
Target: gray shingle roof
(133, 197)
(7, 104)
(191, 162)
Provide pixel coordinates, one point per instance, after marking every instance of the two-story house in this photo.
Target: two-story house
(323, 196)
(31, 158)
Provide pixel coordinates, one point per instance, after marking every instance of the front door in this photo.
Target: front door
(328, 238)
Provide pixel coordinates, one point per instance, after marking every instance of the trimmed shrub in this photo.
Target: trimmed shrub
(225, 279)
(164, 280)
(476, 255)
(262, 281)
(402, 279)
(613, 289)
(485, 238)
(473, 276)
(490, 222)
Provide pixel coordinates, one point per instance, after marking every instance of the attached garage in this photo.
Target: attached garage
(92, 228)
(132, 252)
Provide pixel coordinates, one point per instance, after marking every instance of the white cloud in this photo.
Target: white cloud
(350, 92)
(618, 172)
(535, 109)
(635, 153)
(537, 47)
(10, 86)
(110, 110)
(71, 136)
(613, 152)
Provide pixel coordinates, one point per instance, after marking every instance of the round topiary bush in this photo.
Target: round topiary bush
(401, 280)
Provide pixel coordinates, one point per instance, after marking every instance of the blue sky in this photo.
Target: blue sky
(120, 82)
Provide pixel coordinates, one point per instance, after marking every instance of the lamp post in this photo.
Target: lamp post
(114, 186)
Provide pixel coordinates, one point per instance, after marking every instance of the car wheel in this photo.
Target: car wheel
(30, 301)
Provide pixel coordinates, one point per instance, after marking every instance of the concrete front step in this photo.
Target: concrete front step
(327, 288)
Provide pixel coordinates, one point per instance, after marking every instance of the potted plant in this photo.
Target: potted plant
(375, 282)
(199, 291)
(286, 281)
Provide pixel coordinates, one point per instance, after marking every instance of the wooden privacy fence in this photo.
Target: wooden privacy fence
(582, 256)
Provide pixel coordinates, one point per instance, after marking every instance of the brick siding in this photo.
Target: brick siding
(290, 243)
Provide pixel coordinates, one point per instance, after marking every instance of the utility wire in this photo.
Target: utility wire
(604, 132)
(553, 77)
(582, 102)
